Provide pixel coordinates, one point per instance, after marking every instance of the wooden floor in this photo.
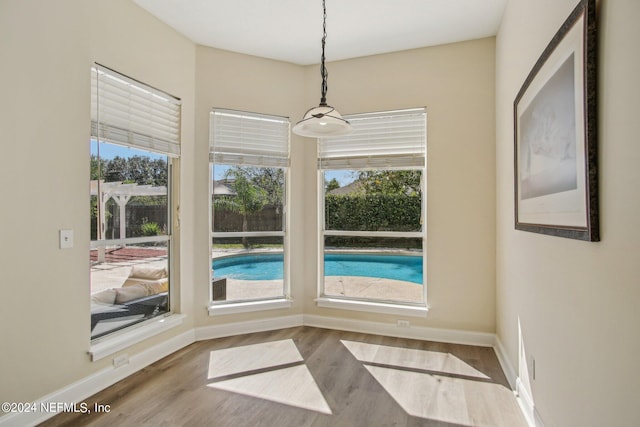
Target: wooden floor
(308, 376)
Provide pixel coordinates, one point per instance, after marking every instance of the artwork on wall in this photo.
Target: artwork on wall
(555, 135)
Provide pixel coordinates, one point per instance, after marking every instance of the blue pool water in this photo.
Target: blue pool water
(269, 266)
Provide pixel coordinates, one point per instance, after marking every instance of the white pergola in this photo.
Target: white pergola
(121, 193)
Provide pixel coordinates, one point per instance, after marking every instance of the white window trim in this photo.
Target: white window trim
(116, 341)
(382, 307)
(400, 309)
(143, 133)
(224, 308)
(247, 156)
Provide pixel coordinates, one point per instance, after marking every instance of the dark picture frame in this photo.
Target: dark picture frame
(555, 152)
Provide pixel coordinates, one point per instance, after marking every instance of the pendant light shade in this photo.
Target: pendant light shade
(323, 120)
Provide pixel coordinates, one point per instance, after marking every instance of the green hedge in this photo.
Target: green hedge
(373, 212)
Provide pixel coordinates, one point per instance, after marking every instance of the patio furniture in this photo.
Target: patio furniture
(143, 295)
(219, 289)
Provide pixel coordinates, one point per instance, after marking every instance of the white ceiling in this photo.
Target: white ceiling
(291, 30)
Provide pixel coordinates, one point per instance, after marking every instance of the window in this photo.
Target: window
(134, 141)
(373, 208)
(249, 158)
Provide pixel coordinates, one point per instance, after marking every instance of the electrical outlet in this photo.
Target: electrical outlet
(533, 368)
(120, 360)
(403, 323)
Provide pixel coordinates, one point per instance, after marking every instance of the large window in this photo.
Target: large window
(249, 157)
(134, 141)
(373, 209)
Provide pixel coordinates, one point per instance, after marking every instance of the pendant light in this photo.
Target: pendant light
(323, 120)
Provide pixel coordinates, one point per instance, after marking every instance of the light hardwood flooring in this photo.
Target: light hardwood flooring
(308, 376)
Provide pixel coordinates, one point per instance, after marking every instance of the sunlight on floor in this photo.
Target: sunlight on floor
(273, 371)
(410, 358)
(438, 397)
(428, 384)
(237, 360)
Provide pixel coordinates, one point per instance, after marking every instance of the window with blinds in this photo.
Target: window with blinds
(135, 140)
(249, 159)
(372, 208)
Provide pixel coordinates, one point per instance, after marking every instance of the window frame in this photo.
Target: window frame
(142, 136)
(278, 161)
(404, 308)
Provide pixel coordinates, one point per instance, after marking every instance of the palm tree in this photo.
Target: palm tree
(249, 198)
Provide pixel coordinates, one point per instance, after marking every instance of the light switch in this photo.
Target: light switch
(66, 239)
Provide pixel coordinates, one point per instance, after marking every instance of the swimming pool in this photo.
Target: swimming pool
(269, 266)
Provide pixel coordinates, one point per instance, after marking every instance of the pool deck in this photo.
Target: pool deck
(346, 286)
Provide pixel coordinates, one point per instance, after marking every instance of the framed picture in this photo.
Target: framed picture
(556, 186)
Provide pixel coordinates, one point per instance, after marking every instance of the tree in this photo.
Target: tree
(271, 180)
(390, 182)
(140, 170)
(249, 197)
(159, 172)
(97, 167)
(331, 185)
(115, 170)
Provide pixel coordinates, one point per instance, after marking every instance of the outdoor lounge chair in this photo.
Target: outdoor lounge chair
(143, 295)
(146, 306)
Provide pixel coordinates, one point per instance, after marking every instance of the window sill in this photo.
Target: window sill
(112, 344)
(374, 307)
(219, 309)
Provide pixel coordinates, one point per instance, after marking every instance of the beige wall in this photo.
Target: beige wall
(47, 49)
(455, 83)
(576, 302)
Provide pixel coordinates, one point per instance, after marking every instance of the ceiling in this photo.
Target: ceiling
(291, 30)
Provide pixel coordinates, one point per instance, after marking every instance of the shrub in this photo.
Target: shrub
(150, 229)
(373, 212)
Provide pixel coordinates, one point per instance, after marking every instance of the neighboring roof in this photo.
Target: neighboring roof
(354, 187)
(221, 189)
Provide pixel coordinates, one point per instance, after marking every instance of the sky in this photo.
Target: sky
(344, 177)
(109, 151)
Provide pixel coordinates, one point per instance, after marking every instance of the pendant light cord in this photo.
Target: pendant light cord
(323, 68)
(314, 123)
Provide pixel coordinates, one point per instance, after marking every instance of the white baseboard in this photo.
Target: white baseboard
(377, 328)
(88, 386)
(525, 400)
(527, 405)
(451, 336)
(505, 364)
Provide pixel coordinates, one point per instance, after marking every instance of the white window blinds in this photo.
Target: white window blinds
(384, 140)
(243, 138)
(130, 113)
